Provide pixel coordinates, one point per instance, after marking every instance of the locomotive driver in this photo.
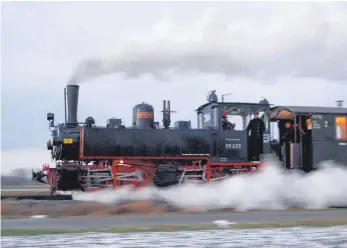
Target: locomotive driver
(226, 124)
(257, 128)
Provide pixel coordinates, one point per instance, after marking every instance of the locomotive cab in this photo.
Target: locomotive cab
(216, 115)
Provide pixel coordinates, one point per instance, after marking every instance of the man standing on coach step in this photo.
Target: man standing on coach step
(257, 128)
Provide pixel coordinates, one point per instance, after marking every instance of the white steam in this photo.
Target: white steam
(257, 40)
(275, 188)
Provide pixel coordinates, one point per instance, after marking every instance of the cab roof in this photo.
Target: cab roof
(253, 107)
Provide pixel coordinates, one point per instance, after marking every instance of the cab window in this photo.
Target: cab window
(341, 127)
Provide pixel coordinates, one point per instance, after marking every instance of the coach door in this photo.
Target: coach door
(323, 138)
(305, 142)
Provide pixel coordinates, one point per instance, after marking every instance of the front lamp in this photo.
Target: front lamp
(67, 141)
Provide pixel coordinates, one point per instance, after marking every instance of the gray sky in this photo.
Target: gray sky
(291, 53)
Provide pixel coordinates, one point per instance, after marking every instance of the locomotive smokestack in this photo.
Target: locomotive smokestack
(72, 103)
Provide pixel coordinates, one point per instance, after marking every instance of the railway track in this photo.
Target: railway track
(38, 197)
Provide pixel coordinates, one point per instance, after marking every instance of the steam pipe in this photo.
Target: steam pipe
(72, 103)
(65, 114)
(166, 114)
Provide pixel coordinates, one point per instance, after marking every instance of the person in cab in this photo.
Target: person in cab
(226, 125)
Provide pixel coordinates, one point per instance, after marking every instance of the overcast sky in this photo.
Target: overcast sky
(126, 53)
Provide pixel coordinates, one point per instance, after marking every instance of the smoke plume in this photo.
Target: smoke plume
(20, 176)
(273, 189)
(158, 61)
(298, 40)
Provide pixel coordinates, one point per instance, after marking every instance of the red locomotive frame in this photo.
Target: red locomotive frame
(122, 168)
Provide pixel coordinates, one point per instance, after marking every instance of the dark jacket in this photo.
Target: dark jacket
(257, 128)
(289, 135)
(227, 125)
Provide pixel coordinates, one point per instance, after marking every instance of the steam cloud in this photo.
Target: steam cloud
(273, 189)
(306, 40)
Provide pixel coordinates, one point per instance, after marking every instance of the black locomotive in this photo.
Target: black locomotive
(86, 141)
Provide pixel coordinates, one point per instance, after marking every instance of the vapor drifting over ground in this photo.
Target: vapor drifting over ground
(297, 39)
(20, 176)
(273, 189)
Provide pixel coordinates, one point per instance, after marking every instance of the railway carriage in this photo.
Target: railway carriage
(324, 135)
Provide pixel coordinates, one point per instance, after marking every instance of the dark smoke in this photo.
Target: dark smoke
(308, 43)
(158, 62)
(19, 176)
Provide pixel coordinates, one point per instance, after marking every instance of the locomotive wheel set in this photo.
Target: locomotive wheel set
(139, 172)
(89, 157)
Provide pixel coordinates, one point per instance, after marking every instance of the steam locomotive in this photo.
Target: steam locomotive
(88, 157)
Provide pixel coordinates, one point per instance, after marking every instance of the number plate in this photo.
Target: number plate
(233, 144)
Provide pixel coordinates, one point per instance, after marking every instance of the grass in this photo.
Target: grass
(85, 209)
(166, 228)
(171, 228)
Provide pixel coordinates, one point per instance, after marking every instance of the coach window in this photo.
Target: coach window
(341, 127)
